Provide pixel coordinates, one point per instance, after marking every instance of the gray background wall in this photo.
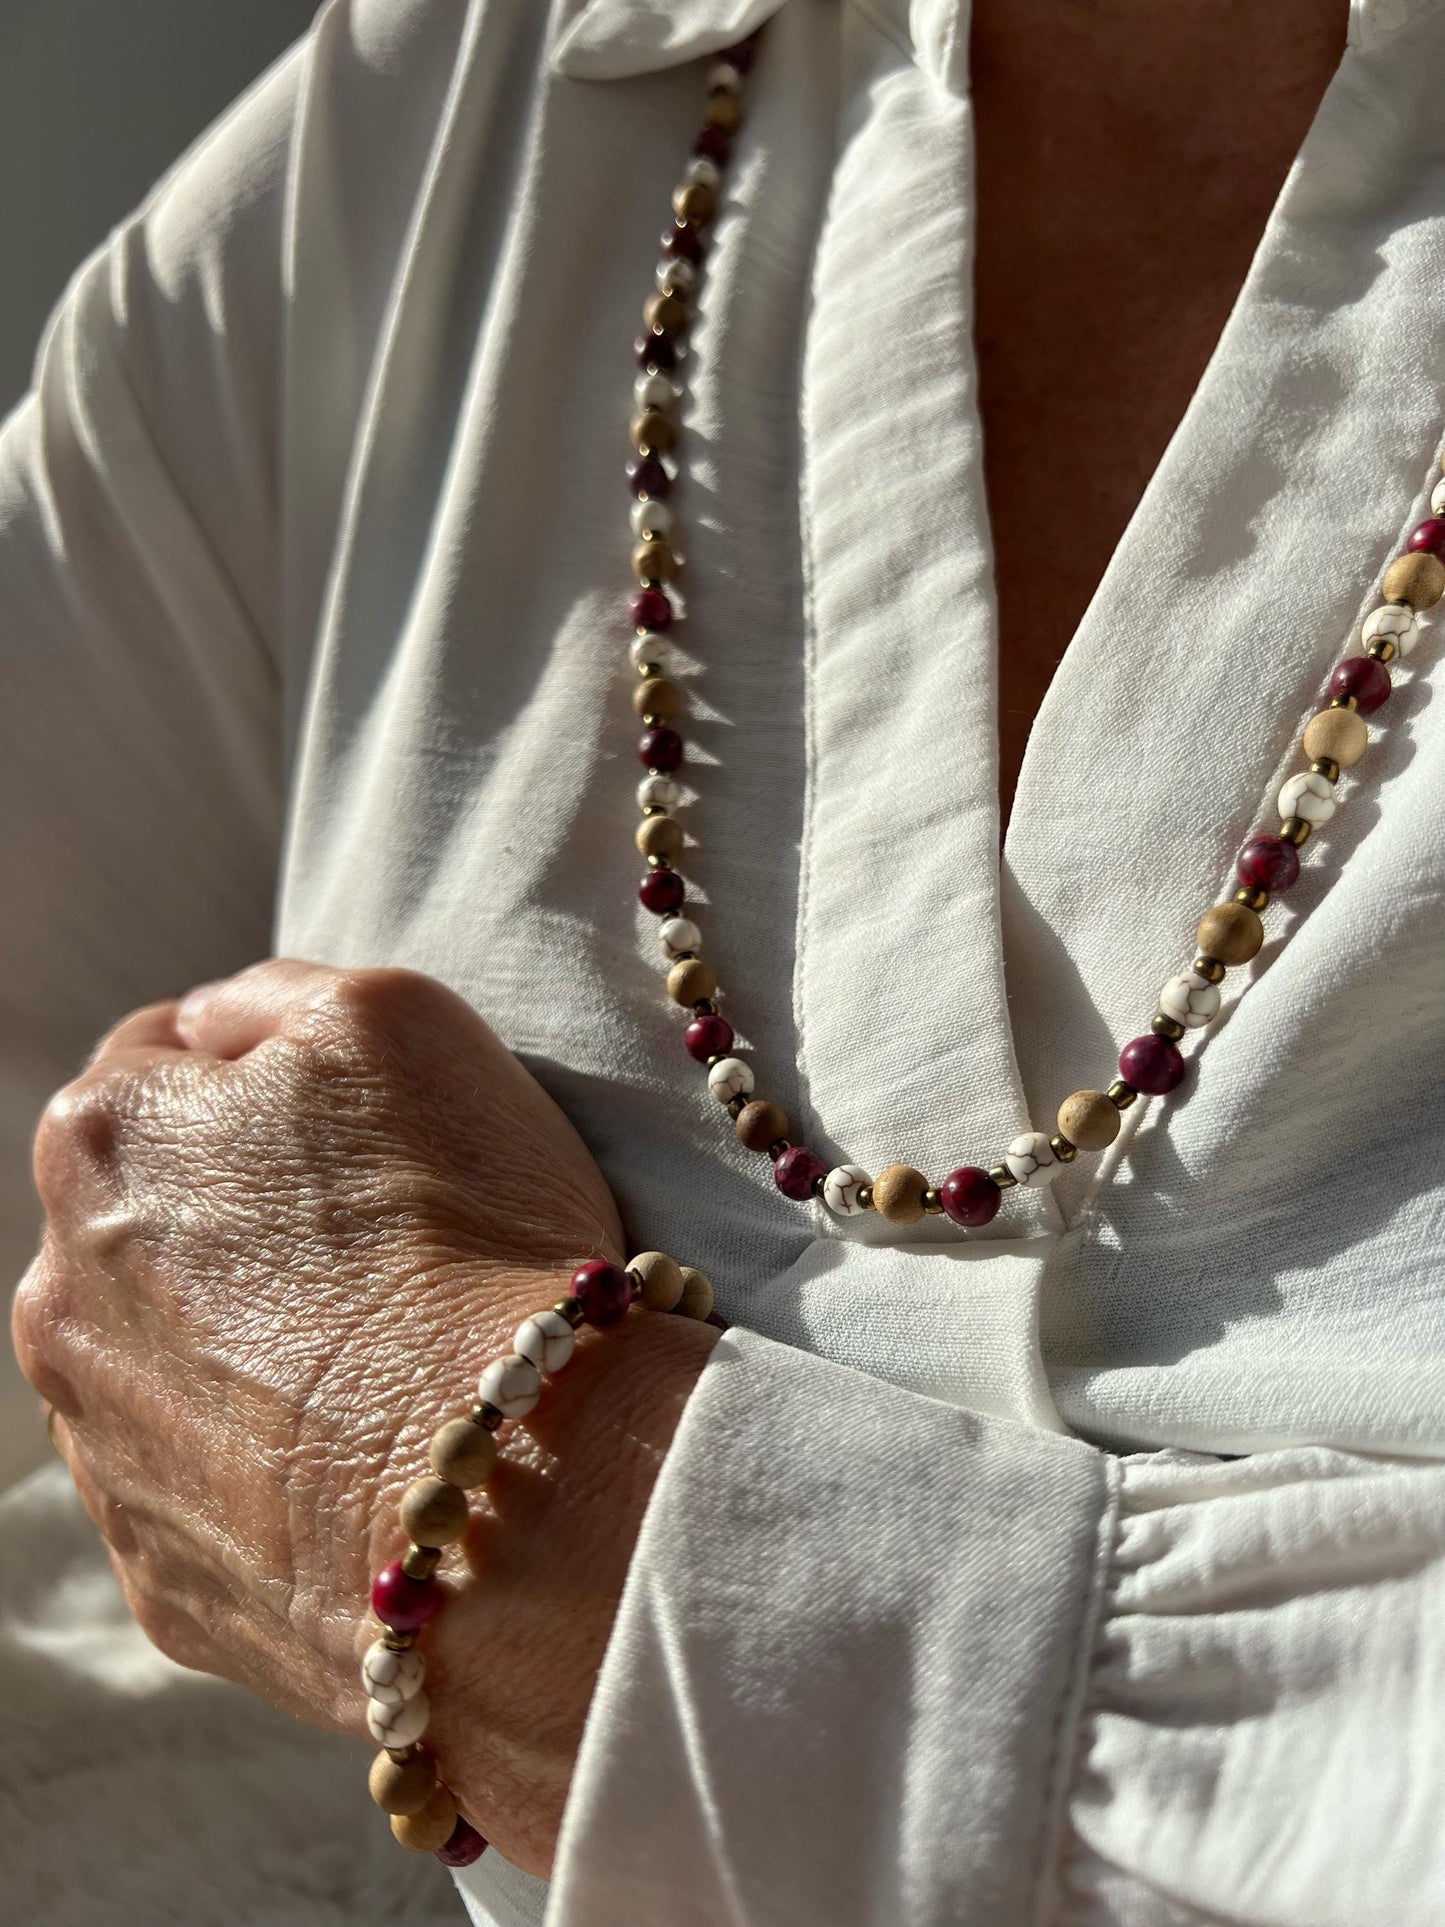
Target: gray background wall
(97, 97)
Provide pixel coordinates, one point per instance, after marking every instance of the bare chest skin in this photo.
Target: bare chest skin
(1129, 153)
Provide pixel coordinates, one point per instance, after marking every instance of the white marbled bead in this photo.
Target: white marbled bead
(730, 1078)
(512, 1384)
(841, 1188)
(397, 1724)
(390, 1677)
(649, 648)
(724, 78)
(658, 793)
(650, 518)
(1031, 1159)
(1437, 498)
(654, 391)
(676, 276)
(701, 172)
(546, 1340)
(1308, 795)
(1392, 622)
(1189, 999)
(678, 935)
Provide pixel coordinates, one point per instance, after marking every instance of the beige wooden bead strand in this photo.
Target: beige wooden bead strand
(691, 981)
(429, 1827)
(1230, 932)
(657, 697)
(658, 836)
(696, 1297)
(661, 1279)
(1417, 578)
(898, 1194)
(401, 1787)
(1089, 1120)
(760, 1125)
(1338, 734)
(434, 1512)
(463, 1453)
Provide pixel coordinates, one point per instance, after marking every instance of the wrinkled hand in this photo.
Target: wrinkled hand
(287, 1220)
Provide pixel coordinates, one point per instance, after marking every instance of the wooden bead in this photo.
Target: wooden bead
(462, 1453)
(898, 1194)
(695, 1300)
(689, 982)
(652, 430)
(723, 111)
(1089, 1120)
(760, 1124)
(434, 1512)
(694, 201)
(1337, 733)
(657, 697)
(653, 562)
(430, 1826)
(1418, 578)
(1230, 932)
(665, 314)
(661, 1279)
(402, 1786)
(659, 836)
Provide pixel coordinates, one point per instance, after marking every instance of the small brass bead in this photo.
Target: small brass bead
(420, 1562)
(1417, 578)
(865, 1196)
(1344, 702)
(1120, 1094)
(487, 1416)
(659, 836)
(658, 863)
(654, 562)
(1169, 1027)
(778, 1146)
(723, 111)
(694, 202)
(433, 1512)
(760, 1124)
(396, 1642)
(1230, 931)
(657, 697)
(1088, 1119)
(430, 1826)
(705, 1007)
(1209, 968)
(1327, 767)
(736, 1106)
(665, 314)
(696, 1298)
(1383, 649)
(1337, 733)
(462, 1453)
(660, 1278)
(690, 981)
(1002, 1176)
(1062, 1149)
(1296, 830)
(932, 1203)
(1251, 898)
(571, 1310)
(898, 1194)
(647, 670)
(652, 432)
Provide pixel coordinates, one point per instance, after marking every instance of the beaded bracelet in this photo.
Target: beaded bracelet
(1229, 934)
(434, 1510)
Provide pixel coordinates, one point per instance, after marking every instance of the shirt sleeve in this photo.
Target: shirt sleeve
(880, 1660)
(140, 780)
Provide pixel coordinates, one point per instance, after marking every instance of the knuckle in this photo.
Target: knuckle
(76, 1139)
(166, 1625)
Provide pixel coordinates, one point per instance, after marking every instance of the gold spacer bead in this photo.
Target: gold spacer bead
(396, 1642)
(865, 1196)
(487, 1416)
(736, 1106)
(1209, 968)
(420, 1562)
(1383, 650)
(1165, 1026)
(570, 1309)
(1002, 1176)
(1120, 1094)
(1327, 767)
(1252, 899)
(704, 1006)
(778, 1146)
(1296, 830)
(932, 1203)
(1062, 1149)
(401, 1754)
(1344, 702)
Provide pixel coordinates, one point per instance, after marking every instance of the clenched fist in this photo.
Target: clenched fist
(287, 1220)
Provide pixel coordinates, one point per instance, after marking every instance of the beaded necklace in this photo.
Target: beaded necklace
(1229, 934)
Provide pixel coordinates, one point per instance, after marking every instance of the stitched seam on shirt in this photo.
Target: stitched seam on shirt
(1069, 1721)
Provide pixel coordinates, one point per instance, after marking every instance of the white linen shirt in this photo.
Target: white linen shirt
(1084, 1569)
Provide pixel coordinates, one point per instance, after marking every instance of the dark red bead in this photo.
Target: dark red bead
(683, 242)
(403, 1603)
(648, 477)
(1429, 536)
(710, 1036)
(1363, 678)
(797, 1171)
(656, 351)
(603, 1291)
(464, 1846)
(1267, 863)
(661, 892)
(1151, 1064)
(969, 1195)
(714, 145)
(660, 748)
(650, 609)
